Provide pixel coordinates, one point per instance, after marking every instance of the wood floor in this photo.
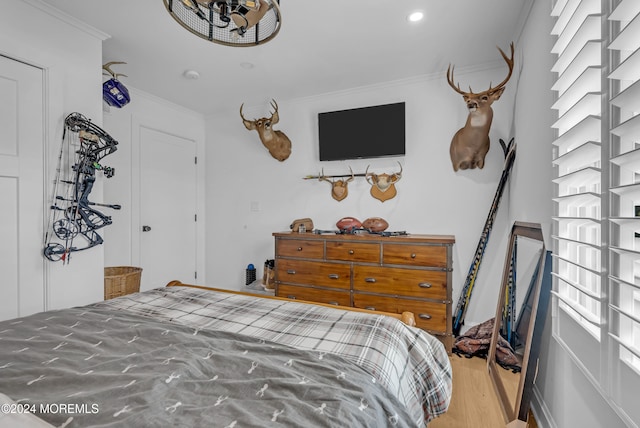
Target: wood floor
(474, 403)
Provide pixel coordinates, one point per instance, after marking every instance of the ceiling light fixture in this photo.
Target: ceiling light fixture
(191, 75)
(416, 16)
(238, 23)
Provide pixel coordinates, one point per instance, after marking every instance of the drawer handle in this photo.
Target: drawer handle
(369, 280)
(334, 276)
(351, 251)
(334, 303)
(425, 285)
(370, 308)
(424, 316)
(291, 297)
(291, 271)
(299, 248)
(413, 255)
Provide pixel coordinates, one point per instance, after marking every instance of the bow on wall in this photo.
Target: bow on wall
(72, 214)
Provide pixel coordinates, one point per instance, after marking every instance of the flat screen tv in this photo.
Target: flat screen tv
(366, 132)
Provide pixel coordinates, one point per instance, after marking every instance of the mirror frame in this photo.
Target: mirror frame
(520, 409)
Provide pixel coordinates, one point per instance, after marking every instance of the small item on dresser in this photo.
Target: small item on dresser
(347, 224)
(250, 274)
(269, 275)
(375, 224)
(302, 225)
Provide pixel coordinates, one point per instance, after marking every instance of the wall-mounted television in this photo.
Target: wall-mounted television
(365, 132)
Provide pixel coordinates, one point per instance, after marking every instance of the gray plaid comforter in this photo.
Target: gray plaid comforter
(188, 357)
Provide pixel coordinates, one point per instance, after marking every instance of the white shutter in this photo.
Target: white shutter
(624, 126)
(597, 194)
(578, 229)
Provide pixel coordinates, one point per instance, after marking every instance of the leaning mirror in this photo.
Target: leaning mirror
(509, 356)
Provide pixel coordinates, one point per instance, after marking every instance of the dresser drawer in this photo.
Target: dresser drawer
(353, 251)
(375, 303)
(313, 273)
(401, 282)
(429, 316)
(331, 297)
(300, 248)
(414, 255)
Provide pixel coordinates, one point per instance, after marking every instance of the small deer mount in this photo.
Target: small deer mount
(276, 142)
(114, 92)
(383, 185)
(470, 144)
(339, 188)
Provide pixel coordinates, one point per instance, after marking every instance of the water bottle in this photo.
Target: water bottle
(250, 274)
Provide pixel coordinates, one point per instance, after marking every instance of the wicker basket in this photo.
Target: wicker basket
(121, 280)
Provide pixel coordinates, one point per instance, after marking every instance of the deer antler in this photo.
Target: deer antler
(398, 175)
(352, 176)
(107, 67)
(322, 177)
(456, 88)
(275, 117)
(509, 62)
(249, 124)
(450, 81)
(367, 175)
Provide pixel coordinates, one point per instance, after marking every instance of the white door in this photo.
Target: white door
(21, 189)
(167, 208)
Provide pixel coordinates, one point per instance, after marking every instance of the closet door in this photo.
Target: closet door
(21, 189)
(168, 185)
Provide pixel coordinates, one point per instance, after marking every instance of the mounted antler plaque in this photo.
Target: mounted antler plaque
(383, 185)
(339, 189)
(471, 143)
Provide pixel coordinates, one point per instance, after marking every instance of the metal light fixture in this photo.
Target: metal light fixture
(229, 22)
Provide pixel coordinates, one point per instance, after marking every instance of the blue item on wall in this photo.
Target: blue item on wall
(115, 93)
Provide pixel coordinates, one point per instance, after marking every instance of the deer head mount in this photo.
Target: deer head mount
(383, 185)
(471, 143)
(339, 189)
(276, 142)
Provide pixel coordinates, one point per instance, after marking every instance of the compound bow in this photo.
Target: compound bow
(84, 144)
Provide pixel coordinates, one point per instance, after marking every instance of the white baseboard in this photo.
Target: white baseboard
(541, 411)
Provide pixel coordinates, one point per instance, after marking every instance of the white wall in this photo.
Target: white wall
(124, 124)
(431, 199)
(71, 56)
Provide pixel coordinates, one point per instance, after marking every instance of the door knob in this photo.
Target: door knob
(146, 228)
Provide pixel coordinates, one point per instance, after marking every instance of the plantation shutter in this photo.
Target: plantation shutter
(577, 152)
(596, 233)
(624, 126)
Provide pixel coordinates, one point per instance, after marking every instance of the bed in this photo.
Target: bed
(188, 356)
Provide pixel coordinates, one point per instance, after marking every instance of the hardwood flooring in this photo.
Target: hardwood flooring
(474, 403)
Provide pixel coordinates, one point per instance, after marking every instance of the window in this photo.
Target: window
(597, 194)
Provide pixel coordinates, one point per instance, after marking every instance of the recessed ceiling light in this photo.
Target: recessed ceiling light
(416, 16)
(191, 75)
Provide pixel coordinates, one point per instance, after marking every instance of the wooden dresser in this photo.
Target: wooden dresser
(391, 274)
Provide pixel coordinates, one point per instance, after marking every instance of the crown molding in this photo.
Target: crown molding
(68, 19)
(162, 101)
(407, 81)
